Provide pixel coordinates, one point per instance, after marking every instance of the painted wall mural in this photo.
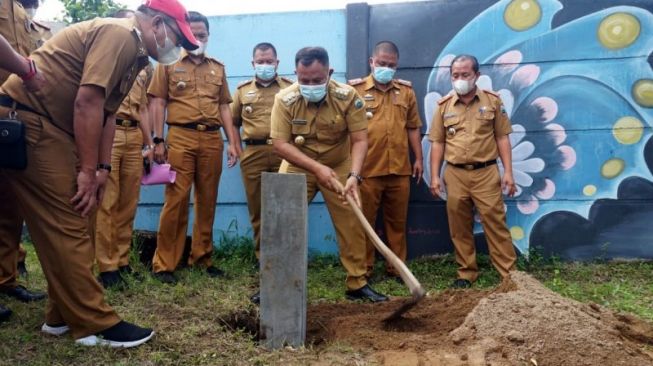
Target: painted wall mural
(580, 96)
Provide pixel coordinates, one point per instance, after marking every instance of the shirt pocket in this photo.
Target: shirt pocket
(484, 121)
(249, 104)
(212, 84)
(180, 84)
(300, 128)
(401, 110)
(453, 127)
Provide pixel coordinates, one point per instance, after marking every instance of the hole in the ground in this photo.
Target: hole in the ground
(243, 320)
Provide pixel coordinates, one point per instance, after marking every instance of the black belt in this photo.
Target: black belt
(474, 166)
(197, 126)
(258, 142)
(126, 123)
(7, 101)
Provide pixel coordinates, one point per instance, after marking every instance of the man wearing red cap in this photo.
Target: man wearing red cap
(69, 132)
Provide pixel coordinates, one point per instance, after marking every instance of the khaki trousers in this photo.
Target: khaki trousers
(257, 159)
(60, 234)
(350, 233)
(115, 217)
(480, 188)
(391, 193)
(11, 227)
(196, 156)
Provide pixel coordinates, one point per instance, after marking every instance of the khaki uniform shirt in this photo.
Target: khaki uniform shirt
(469, 132)
(194, 92)
(324, 127)
(252, 106)
(16, 28)
(39, 34)
(107, 53)
(389, 115)
(137, 97)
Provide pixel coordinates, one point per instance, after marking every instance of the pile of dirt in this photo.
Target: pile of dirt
(520, 323)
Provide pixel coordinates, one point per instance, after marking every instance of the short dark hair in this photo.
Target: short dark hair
(29, 3)
(194, 16)
(264, 46)
(121, 13)
(308, 55)
(386, 46)
(463, 57)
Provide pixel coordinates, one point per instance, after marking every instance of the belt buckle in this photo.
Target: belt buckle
(201, 127)
(126, 123)
(468, 166)
(268, 141)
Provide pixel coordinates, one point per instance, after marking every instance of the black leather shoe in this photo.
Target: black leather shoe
(461, 283)
(165, 277)
(22, 270)
(256, 298)
(365, 293)
(20, 293)
(111, 279)
(5, 313)
(214, 271)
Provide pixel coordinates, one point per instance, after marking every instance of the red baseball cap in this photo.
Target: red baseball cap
(175, 10)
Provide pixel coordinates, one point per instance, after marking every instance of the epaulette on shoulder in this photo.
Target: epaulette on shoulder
(215, 60)
(492, 93)
(290, 97)
(444, 99)
(341, 93)
(243, 83)
(405, 82)
(354, 82)
(288, 80)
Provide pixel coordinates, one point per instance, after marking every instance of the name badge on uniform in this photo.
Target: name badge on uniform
(251, 93)
(451, 132)
(299, 122)
(368, 97)
(180, 69)
(449, 115)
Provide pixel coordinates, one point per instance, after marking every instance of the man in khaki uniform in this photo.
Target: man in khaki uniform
(393, 124)
(319, 127)
(251, 109)
(115, 217)
(470, 130)
(16, 28)
(197, 96)
(94, 64)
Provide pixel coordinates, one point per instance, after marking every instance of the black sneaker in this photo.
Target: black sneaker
(256, 298)
(111, 279)
(22, 270)
(121, 335)
(461, 283)
(365, 293)
(165, 277)
(5, 313)
(214, 272)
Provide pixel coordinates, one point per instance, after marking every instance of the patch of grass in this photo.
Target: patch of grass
(188, 317)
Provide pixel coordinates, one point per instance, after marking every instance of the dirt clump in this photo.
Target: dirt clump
(521, 322)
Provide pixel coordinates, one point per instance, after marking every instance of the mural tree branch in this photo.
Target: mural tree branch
(81, 10)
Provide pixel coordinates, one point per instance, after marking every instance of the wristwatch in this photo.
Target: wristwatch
(356, 175)
(158, 140)
(106, 167)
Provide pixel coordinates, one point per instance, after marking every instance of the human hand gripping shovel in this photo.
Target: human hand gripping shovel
(416, 289)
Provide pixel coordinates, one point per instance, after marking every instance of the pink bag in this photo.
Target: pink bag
(159, 174)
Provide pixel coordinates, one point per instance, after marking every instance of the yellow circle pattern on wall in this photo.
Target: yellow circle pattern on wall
(612, 168)
(643, 92)
(628, 130)
(618, 30)
(521, 15)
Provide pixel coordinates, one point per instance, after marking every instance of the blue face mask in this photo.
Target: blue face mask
(265, 72)
(313, 93)
(383, 75)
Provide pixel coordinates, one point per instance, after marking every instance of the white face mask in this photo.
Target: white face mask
(463, 87)
(169, 53)
(200, 50)
(31, 12)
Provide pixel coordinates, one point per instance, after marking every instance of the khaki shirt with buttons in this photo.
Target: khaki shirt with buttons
(104, 52)
(469, 132)
(16, 27)
(137, 97)
(252, 106)
(325, 127)
(39, 34)
(389, 115)
(194, 92)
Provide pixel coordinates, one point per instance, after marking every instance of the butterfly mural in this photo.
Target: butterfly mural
(580, 97)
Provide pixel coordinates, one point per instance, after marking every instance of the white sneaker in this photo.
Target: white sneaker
(121, 335)
(54, 331)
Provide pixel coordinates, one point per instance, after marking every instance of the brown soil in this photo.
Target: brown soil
(519, 323)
